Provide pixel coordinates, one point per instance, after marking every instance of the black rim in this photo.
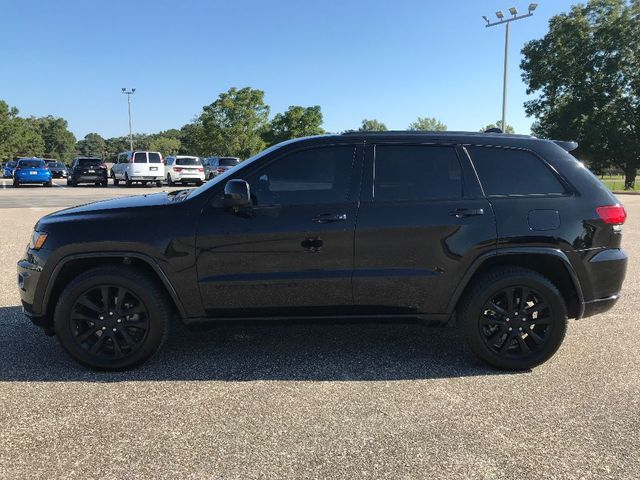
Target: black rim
(516, 322)
(109, 321)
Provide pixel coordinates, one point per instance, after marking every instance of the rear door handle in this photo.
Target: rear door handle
(330, 218)
(466, 212)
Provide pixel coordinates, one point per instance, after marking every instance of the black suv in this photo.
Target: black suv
(88, 170)
(509, 235)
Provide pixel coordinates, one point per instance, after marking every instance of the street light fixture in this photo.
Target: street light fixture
(513, 11)
(128, 93)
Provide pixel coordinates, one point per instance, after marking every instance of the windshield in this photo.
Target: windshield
(85, 162)
(228, 162)
(31, 163)
(188, 161)
(11, 164)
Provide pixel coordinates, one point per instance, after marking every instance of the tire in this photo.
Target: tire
(516, 338)
(169, 180)
(48, 184)
(123, 340)
(159, 183)
(198, 183)
(116, 182)
(16, 184)
(71, 183)
(128, 182)
(105, 183)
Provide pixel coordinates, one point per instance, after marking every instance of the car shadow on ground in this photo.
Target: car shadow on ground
(293, 351)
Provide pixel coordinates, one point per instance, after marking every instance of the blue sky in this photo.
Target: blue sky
(390, 60)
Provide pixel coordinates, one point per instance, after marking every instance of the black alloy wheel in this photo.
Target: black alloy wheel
(109, 321)
(513, 318)
(112, 317)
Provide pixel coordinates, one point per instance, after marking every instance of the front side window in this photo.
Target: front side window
(416, 172)
(504, 171)
(140, 157)
(313, 176)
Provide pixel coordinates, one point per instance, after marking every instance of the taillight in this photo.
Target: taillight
(201, 169)
(612, 214)
(219, 169)
(103, 165)
(177, 169)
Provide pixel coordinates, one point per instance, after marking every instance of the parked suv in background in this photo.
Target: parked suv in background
(184, 169)
(139, 166)
(214, 166)
(7, 169)
(58, 169)
(508, 235)
(87, 170)
(30, 171)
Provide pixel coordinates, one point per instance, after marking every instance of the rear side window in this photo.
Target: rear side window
(416, 172)
(140, 157)
(504, 171)
(228, 162)
(154, 157)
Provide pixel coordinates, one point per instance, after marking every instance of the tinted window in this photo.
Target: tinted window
(505, 171)
(228, 162)
(154, 157)
(188, 161)
(31, 164)
(405, 172)
(313, 176)
(140, 157)
(11, 164)
(88, 162)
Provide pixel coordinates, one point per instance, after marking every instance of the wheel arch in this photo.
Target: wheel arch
(549, 262)
(71, 266)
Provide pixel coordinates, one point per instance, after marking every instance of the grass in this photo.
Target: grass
(616, 183)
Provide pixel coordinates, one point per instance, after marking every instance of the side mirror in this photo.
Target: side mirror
(236, 193)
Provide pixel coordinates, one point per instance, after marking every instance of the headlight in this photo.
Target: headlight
(37, 240)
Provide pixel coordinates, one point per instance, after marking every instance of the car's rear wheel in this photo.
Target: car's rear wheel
(112, 318)
(127, 181)
(48, 184)
(513, 318)
(169, 180)
(159, 183)
(198, 182)
(16, 183)
(105, 183)
(116, 182)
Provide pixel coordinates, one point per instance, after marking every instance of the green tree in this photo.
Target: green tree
(235, 123)
(372, 126)
(165, 145)
(18, 136)
(59, 142)
(92, 145)
(296, 122)
(498, 124)
(192, 139)
(429, 124)
(586, 72)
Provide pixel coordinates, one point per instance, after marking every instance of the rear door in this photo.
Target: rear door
(422, 221)
(292, 252)
(139, 166)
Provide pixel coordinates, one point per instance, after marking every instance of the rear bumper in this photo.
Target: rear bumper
(34, 178)
(605, 272)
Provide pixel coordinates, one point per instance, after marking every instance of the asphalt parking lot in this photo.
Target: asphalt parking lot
(315, 401)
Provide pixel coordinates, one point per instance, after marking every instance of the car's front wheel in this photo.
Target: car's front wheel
(513, 318)
(112, 318)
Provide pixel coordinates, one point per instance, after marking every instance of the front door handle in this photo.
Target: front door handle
(330, 218)
(466, 212)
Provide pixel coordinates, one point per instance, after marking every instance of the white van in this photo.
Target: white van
(138, 166)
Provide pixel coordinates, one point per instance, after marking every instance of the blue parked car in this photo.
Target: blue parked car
(31, 170)
(7, 171)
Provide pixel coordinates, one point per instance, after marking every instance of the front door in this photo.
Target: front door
(422, 221)
(292, 251)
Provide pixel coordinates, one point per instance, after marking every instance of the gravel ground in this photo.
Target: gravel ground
(320, 401)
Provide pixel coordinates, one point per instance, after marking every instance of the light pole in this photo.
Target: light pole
(514, 12)
(128, 93)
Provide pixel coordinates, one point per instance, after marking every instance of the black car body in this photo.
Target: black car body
(390, 225)
(88, 170)
(58, 169)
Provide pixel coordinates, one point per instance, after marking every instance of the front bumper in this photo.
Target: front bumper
(29, 273)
